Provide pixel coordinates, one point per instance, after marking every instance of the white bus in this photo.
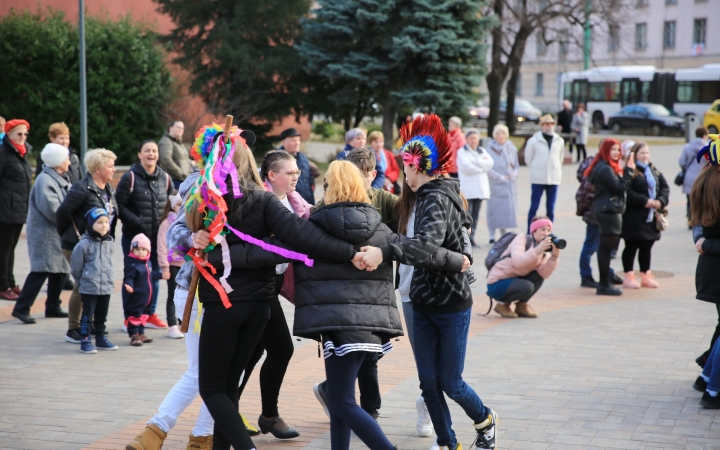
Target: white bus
(605, 90)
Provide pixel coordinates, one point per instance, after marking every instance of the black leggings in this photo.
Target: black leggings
(582, 154)
(227, 341)
(632, 247)
(345, 414)
(608, 243)
(523, 288)
(276, 339)
(170, 304)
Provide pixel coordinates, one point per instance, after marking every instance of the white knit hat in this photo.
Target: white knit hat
(54, 155)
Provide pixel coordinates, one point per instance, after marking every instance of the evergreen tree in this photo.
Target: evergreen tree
(127, 79)
(241, 56)
(395, 54)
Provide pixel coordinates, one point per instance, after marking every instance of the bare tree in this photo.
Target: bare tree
(518, 20)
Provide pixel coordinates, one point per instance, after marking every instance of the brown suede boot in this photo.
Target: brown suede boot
(151, 438)
(505, 310)
(200, 442)
(523, 309)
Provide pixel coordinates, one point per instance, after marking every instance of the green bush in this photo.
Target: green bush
(128, 83)
(324, 129)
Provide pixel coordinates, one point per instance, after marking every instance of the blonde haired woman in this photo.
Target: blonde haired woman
(502, 205)
(353, 313)
(93, 191)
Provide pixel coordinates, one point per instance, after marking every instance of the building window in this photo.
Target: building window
(540, 45)
(518, 85)
(669, 34)
(699, 31)
(563, 42)
(640, 36)
(539, 84)
(614, 38)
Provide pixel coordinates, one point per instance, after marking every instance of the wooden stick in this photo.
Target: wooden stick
(196, 273)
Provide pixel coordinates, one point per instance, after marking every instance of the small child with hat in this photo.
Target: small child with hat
(137, 281)
(91, 265)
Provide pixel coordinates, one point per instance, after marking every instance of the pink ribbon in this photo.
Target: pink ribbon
(410, 159)
(289, 254)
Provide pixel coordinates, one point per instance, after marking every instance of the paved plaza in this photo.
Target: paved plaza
(590, 373)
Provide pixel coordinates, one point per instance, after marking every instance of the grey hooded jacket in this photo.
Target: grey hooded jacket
(91, 265)
(178, 235)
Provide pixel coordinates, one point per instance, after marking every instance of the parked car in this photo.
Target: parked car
(651, 118)
(524, 111)
(479, 111)
(712, 118)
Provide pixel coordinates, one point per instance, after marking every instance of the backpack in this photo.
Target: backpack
(495, 254)
(132, 182)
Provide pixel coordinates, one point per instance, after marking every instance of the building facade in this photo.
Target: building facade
(666, 34)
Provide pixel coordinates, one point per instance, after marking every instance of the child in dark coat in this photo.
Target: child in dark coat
(138, 283)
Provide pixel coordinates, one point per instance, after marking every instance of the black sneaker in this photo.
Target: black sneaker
(700, 384)
(608, 290)
(614, 279)
(319, 390)
(589, 283)
(492, 241)
(73, 336)
(701, 360)
(486, 436)
(375, 415)
(709, 401)
(56, 313)
(24, 318)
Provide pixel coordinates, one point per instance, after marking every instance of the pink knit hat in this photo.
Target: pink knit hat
(141, 241)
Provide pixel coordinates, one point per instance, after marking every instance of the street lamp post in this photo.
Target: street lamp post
(83, 88)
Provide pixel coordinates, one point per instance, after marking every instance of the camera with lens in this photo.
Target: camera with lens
(557, 242)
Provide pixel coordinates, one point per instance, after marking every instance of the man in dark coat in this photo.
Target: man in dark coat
(306, 183)
(564, 121)
(15, 183)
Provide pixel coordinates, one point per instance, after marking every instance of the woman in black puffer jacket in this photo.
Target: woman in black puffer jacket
(230, 335)
(142, 194)
(647, 193)
(608, 205)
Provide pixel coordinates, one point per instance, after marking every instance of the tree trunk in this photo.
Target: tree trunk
(388, 122)
(498, 70)
(514, 63)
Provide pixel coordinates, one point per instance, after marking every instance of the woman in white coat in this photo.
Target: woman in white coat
(544, 155)
(474, 163)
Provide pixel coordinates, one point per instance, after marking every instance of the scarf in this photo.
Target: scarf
(381, 161)
(20, 148)
(652, 185)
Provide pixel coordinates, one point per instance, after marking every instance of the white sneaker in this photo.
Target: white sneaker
(435, 446)
(424, 422)
(175, 333)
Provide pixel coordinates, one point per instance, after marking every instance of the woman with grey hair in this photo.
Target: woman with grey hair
(354, 138)
(473, 164)
(46, 257)
(502, 206)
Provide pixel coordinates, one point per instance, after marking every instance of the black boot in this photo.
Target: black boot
(69, 285)
(277, 427)
(86, 345)
(604, 288)
(55, 312)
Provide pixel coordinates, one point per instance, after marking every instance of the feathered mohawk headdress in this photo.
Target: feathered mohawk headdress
(426, 144)
(711, 152)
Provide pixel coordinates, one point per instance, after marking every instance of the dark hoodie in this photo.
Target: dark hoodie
(338, 297)
(439, 221)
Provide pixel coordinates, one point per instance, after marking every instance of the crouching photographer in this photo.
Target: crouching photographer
(518, 265)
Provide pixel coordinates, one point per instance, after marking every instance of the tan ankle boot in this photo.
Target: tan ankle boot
(151, 438)
(505, 310)
(629, 281)
(200, 443)
(647, 280)
(523, 309)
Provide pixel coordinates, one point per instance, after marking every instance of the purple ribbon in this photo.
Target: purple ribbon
(289, 254)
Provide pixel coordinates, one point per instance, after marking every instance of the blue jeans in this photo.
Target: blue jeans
(440, 343)
(711, 371)
(125, 242)
(590, 247)
(550, 196)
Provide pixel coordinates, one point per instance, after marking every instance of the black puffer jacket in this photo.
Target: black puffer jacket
(337, 296)
(609, 202)
(259, 213)
(635, 225)
(142, 205)
(15, 183)
(439, 220)
(707, 282)
(83, 196)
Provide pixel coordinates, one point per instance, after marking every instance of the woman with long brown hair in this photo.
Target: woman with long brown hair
(705, 212)
(608, 205)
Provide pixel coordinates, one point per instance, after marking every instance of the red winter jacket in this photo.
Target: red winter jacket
(457, 141)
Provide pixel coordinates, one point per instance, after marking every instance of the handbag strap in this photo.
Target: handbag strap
(76, 228)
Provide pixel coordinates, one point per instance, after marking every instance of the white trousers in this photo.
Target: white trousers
(186, 389)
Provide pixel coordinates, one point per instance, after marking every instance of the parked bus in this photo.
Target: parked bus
(605, 90)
